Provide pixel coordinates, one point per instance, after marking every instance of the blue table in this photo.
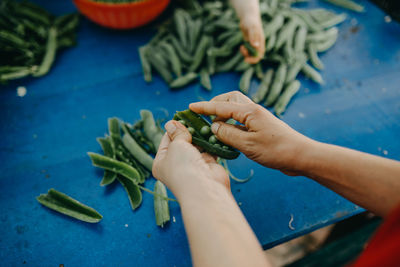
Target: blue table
(46, 134)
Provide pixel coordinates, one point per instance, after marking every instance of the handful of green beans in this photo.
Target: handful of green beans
(201, 41)
(30, 37)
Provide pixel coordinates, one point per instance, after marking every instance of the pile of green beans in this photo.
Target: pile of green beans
(30, 37)
(128, 151)
(199, 42)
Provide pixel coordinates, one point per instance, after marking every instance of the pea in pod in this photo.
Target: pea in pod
(201, 135)
(64, 204)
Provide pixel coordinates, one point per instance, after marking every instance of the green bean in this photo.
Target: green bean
(133, 191)
(282, 102)
(231, 63)
(245, 80)
(157, 62)
(12, 39)
(16, 74)
(180, 26)
(161, 208)
(311, 73)
(348, 4)
(106, 145)
(300, 39)
(67, 23)
(262, 90)
(180, 50)
(49, 56)
(146, 67)
(183, 80)
(173, 58)
(150, 128)
(64, 204)
(137, 151)
(314, 59)
(272, 27)
(119, 167)
(259, 71)
(200, 53)
(277, 84)
(205, 79)
(33, 15)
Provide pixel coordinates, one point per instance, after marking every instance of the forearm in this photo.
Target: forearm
(369, 181)
(218, 233)
(246, 7)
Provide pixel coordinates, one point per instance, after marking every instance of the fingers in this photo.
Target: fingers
(234, 96)
(176, 131)
(224, 110)
(230, 134)
(161, 154)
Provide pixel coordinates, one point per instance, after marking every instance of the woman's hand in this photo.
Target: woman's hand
(180, 165)
(262, 137)
(253, 33)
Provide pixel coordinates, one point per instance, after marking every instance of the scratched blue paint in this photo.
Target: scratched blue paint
(46, 134)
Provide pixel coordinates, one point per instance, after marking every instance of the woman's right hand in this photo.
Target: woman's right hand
(262, 137)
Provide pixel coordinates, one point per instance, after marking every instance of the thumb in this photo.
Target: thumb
(229, 134)
(176, 131)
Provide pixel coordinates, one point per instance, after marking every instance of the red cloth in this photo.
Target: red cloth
(384, 247)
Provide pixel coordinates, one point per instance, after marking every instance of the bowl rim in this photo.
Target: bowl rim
(119, 5)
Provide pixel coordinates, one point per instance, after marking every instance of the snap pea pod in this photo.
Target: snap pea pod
(203, 138)
(274, 25)
(277, 84)
(146, 67)
(64, 204)
(252, 51)
(156, 61)
(242, 66)
(180, 26)
(314, 59)
(106, 145)
(51, 48)
(200, 53)
(294, 69)
(28, 12)
(259, 71)
(323, 35)
(12, 39)
(282, 102)
(285, 33)
(348, 4)
(323, 46)
(179, 49)
(183, 80)
(308, 20)
(270, 45)
(172, 57)
(205, 79)
(262, 90)
(161, 208)
(231, 63)
(133, 191)
(225, 35)
(194, 33)
(245, 80)
(116, 166)
(300, 39)
(222, 51)
(150, 129)
(311, 73)
(137, 151)
(333, 21)
(67, 23)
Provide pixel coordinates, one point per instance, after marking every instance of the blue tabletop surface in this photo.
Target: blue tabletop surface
(46, 134)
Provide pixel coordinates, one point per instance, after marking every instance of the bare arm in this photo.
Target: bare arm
(218, 233)
(369, 181)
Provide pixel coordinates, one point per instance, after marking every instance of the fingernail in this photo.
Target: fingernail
(215, 127)
(256, 43)
(170, 127)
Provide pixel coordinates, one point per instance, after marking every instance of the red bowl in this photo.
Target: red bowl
(122, 15)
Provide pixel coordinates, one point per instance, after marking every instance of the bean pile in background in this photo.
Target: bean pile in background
(202, 40)
(30, 37)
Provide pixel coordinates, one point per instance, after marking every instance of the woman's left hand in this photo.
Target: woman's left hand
(181, 166)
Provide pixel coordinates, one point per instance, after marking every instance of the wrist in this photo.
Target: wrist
(307, 156)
